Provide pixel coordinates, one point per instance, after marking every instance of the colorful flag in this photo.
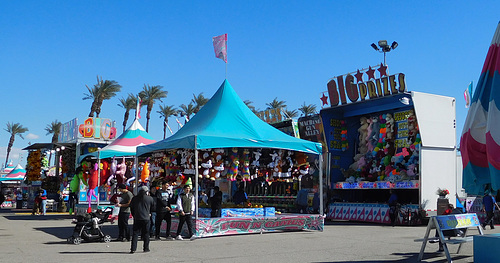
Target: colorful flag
(138, 109)
(220, 47)
(178, 122)
(467, 95)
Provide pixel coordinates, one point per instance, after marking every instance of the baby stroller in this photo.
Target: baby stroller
(88, 227)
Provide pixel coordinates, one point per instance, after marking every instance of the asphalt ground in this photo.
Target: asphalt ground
(27, 238)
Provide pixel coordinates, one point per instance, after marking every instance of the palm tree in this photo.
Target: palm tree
(250, 106)
(103, 90)
(275, 104)
(128, 104)
(149, 95)
(199, 101)
(307, 109)
(165, 112)
(187, 111)
(290, 113)
(14, 129)
(54, 128)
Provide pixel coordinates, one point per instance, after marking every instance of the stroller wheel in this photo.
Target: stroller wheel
(77, 240)
(70, 239)
(107, 238)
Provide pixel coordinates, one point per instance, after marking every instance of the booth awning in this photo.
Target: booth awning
(17, 174)
(225, 121)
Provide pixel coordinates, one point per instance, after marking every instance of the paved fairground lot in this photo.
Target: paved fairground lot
(27, 238)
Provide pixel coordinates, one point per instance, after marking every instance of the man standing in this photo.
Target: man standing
(216, 202)
(141, 206)
(489, 204)
(123, 216)
(164, 199)
(186, 204)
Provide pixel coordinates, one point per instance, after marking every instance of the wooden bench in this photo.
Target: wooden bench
(450, 222)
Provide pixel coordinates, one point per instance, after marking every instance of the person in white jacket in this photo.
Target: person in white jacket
(186, 205)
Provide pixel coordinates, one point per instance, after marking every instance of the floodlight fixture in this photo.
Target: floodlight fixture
(384, 47)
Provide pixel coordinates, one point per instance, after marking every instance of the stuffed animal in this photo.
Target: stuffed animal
(245, 171)
(233, 169)
(389, 125)
(412, 124)
(363, 133)
(93, 183)
(206, 164)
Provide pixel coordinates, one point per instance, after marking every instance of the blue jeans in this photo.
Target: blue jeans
(44, 206)
(152, 224)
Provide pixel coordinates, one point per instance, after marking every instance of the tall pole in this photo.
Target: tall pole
(98, 176)
(196, 176)
(321, 184)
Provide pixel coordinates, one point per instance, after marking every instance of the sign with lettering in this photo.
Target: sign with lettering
(68, 131)
(448, 222)
(97, 128)
(341, 89)
(311, 128)
(206, 227)
(401, 124)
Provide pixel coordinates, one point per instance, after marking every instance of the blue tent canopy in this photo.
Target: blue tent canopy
(225, 121)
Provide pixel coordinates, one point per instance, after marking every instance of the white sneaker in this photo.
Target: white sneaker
(193, 237)
(179, 237)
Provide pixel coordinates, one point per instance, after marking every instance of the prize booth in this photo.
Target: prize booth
(225, 144)
(381, 138)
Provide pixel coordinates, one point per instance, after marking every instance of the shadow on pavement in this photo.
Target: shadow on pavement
(96, 252)
(67, 231)
(410, 257)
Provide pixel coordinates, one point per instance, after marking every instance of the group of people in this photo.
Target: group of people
(151, 208)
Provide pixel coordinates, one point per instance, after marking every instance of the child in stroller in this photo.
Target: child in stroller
(88, 227)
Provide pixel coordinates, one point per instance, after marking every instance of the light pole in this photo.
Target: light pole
(384, 47)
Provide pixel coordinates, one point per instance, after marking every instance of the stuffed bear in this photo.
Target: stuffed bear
(389, 125)
(363, 133)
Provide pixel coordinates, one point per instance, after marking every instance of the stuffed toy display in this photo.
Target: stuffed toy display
(377, 158)
(93, 183)
(245, 171)
(205, 165)
(235, 162)
(218, 166)
(145, 172)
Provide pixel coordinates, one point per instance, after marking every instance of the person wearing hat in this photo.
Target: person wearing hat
(124, 214)
(141, 207)
(186, 205)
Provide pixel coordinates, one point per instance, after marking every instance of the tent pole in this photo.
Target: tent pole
(321, 184)
(98, 177)
(196, 176)
(136, 173)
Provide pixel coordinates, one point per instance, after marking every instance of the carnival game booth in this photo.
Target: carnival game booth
(11, 183)
(215, 146)
(391, 139)
(112, 165)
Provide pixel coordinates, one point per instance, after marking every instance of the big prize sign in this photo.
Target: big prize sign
(340, 89)
(97, 128)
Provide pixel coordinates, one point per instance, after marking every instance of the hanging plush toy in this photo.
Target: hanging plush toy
(145, 172)
(104, 172)
(256, 164)
(206, 164)
(245, 171)
(121, 169)
(218, 156)
(112, 170)
(233, 169)
(93, 181)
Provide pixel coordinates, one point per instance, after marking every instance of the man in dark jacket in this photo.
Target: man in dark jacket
(164, 198)
(140, 207)
(216, 202)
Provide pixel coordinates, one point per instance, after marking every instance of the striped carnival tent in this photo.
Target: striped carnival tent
(9, 168)
(17, 174)
(126, 144)
(480, 141)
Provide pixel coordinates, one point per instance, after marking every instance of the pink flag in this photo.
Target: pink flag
(138, 109)
(220, 47)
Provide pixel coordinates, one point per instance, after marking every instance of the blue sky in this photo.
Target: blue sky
(49, 51)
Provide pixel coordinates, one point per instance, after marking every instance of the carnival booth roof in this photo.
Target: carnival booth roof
(480, 142)
(225, 121)
(17, 174)
(126, 144)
